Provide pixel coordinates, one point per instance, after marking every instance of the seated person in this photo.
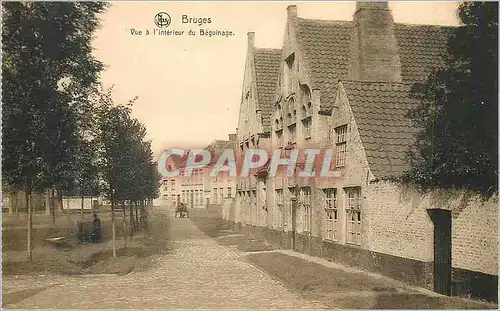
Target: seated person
(96, 229)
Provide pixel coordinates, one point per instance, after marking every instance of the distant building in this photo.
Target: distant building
(170, 188)
(199, 189)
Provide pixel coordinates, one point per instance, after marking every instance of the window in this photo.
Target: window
(253, 201)
(292, 131)
(353, 215)
(172, 184)
(305, 201)
(279, 138)
(229, 192)
(215, 196)
(307, 127)
(341, 143)
(289, 73)
(288, 205)
(332, 214)
(221, 195)
(280, 200)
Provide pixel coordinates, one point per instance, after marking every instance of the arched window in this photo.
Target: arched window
(305, 96)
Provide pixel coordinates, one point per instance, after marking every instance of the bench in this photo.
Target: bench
(58, 242)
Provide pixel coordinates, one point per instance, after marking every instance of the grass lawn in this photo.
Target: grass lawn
(350, 290)
(80, 258)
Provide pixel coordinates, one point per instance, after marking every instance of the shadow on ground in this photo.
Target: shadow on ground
(12, 298)
(210, 222)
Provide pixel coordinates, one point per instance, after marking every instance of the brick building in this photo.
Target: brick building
(222, 186)
(170, 187)
(198, 189)
(346, 85)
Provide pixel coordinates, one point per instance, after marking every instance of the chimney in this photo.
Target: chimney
(376, 56)
(291, 11)
(251, 39)
(233, 137)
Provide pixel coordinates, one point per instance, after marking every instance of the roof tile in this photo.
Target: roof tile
(325, 46)
(267, 65)
(380, 111)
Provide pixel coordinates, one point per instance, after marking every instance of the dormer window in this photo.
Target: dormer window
(292, 131)
(306, 123)
(289, 60)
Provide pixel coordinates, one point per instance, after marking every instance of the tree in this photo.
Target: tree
(458, 144)
(116, 146)
(44, 43)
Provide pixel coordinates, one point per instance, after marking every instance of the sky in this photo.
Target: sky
(189, 87)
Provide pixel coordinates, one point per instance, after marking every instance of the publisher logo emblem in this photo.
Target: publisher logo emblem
(162, 20)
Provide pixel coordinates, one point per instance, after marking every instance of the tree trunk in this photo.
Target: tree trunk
(124, 224)
(30, 223)
(81, 208)
(53, 206)
(46, 200)
(17, 204)
(113, 226)
(69, 217)
(136, 215)
(132, 224)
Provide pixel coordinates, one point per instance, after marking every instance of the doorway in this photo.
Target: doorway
(442, 250)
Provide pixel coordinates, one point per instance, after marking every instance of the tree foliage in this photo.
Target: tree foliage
(44, 44)
(458, 146)
(125, 157)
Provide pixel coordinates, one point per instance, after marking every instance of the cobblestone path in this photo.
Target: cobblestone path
(199, 273)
